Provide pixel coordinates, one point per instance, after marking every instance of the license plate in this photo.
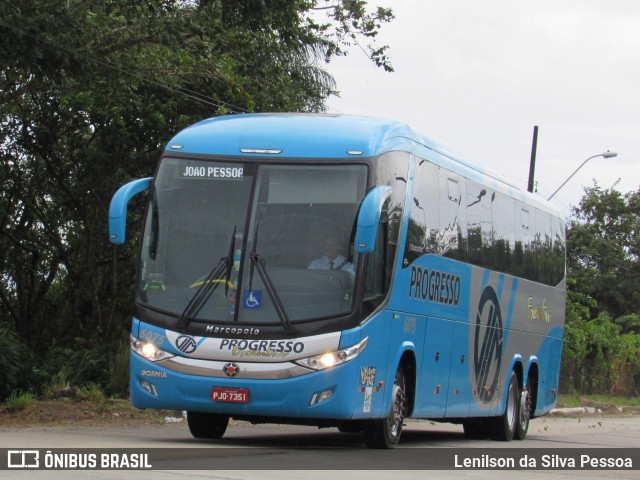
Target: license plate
(230, 395)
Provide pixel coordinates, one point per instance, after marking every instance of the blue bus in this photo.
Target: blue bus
(341, 271)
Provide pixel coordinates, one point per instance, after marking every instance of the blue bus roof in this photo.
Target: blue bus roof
(326, 136)
(294, 135)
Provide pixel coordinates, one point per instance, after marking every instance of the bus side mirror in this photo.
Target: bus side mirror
(118, 208)
(369, 218)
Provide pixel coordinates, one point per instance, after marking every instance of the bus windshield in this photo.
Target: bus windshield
(251, 243)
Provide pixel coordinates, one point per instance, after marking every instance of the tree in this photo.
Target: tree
(602, 342)
(604, 248)
(90, 91)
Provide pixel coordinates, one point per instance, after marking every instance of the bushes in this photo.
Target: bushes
(624, 375)
(18, 400)
(88, 366)
(600, 356)
(15, 363)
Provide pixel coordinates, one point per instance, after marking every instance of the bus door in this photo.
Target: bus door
(433, 384)
(459, 373)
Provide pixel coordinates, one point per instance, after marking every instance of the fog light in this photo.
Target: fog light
(149, 387)
(320, 397)
(325, 395)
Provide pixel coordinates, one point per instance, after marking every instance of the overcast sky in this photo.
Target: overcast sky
(478, 75)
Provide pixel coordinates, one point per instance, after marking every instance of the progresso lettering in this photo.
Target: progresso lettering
(435, 286)
(273, 346)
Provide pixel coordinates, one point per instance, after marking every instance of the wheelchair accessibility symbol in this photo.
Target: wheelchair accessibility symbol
(252, 299)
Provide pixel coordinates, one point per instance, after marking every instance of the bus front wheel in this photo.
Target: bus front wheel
(207, 425)
(385, 432)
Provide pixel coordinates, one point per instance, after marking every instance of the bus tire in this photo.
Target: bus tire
(505, 426)
(385, 432)
(524, 412)
(207, 425)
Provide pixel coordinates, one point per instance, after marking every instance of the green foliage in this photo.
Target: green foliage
(91, 392)
(118, 380)
(603, 249)
(602, 335)
(577, 400)
(59, 387)
(599, 356)
(15, 361)
(18, 400)
(351, 21)
(625, 366)
(629, 323)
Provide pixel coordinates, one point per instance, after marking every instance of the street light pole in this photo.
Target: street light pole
(606, 154)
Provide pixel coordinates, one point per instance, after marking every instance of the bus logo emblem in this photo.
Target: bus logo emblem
(488, 345)
(186, 344)
(231, 369)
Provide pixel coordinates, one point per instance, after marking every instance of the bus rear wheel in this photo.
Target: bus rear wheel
(505, 426)
(207, 425)
(524, 412)
(385, 432)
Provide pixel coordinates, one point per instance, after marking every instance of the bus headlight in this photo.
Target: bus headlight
(331, 359)
(148, 350)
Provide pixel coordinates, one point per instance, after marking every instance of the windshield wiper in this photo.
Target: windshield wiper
(230, 255)
(258, 262)
(208, 286)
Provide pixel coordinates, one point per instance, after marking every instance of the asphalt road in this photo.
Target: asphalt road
(284, 452)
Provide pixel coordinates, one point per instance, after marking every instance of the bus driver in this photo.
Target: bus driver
(332, 260)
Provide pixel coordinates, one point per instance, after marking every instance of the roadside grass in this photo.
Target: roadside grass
(577, 400)
(60, 386)
(86, 408)
(91, 392)
(18, 400)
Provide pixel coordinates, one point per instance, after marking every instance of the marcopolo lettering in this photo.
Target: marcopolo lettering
(277, 346)
(232, 330)
(435, 286)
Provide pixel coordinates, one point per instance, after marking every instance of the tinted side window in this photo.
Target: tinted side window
(452, 232)
(525, 224)
(479, 204)
(503, 233)
(390, 169)
(559, 249)
(459, 218)
(375, 284)
(543, 248)
(424, 217)
(393, 169)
